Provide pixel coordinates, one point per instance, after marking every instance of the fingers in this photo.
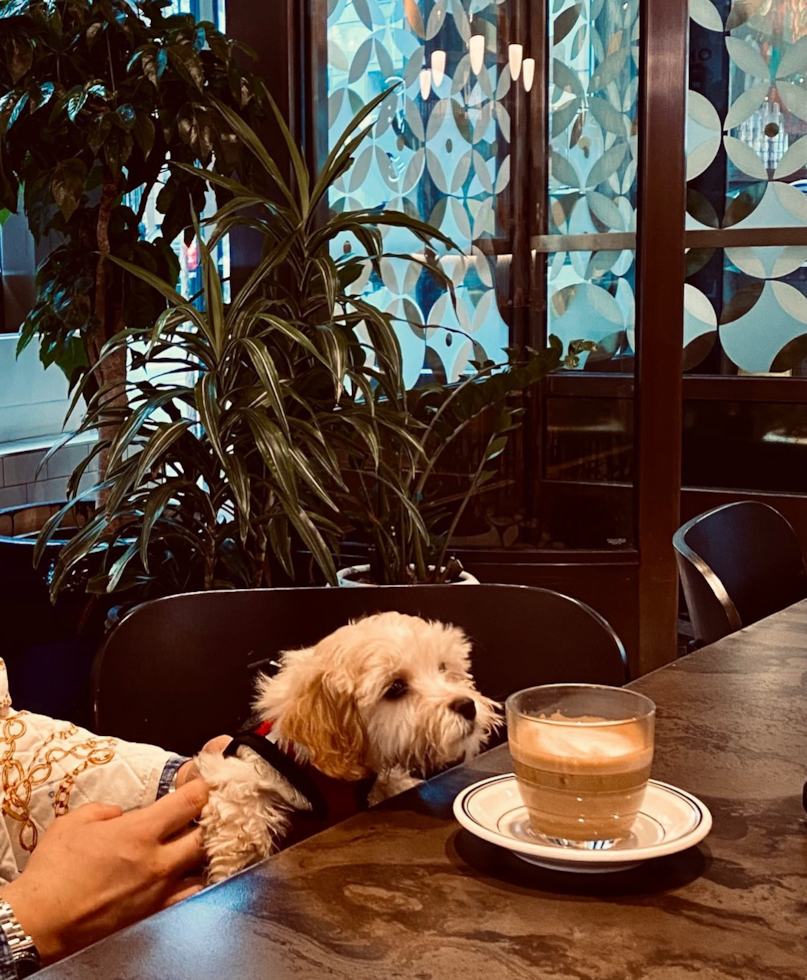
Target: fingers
(176, 810)
(94, 811)
(217, 744)
(184, 853)
(186, 888)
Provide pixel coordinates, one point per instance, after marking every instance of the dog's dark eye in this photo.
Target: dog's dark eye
(443, 667)
(396, 690)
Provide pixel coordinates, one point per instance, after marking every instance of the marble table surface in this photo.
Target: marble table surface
(402, 892)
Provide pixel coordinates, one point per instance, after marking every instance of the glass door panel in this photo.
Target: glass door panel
(745, 324)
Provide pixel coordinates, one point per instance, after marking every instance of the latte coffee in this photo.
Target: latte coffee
(582, 776)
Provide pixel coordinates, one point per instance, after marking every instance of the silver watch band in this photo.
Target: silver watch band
(20, 944)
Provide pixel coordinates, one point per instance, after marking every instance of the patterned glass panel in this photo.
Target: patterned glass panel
(440, 150)
(591, 298)
(593, 113)
(746, 308)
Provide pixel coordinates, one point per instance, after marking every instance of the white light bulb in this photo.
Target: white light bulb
(425, 83)
(476, 48)
(438, 67)
(515, 53)
(529, 73)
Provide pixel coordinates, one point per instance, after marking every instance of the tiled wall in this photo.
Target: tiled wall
(18, 471)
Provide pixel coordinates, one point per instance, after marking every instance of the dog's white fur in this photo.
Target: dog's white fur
(328, 703)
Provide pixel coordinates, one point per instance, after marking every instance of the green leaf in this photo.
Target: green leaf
(19, 59)
(67, 185)
(173, 297)
(153, 61)
(158, 445)
(76, 98)
(40, 94)
(274, 450)
(144, 133)
(254, 144)
(496, 447)
(208, 408)
(280, 540)
(300, 168)
(101, 126)
(15, 8)
(71, 359)
(315, 543)
(188, 63)
(310, 477)
(93, 32)
(238, 478)
(270, 379)
(119, 567)
(157, 501)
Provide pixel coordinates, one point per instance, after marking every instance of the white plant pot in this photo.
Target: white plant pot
(347, 577)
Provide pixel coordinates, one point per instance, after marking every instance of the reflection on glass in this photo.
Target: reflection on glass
(747, 119)
(745, 308)
(440, 149)
(747, 446)
(746, 311)
(592, 189)
(591, 297)
(589, 439)
(587, 494)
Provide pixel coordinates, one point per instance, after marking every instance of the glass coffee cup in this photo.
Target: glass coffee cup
(582, 755)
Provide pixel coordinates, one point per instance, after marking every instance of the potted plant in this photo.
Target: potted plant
(95, 98)
(405, 509)
(280, 420)
(230, 457)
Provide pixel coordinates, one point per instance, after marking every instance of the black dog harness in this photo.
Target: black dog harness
(331, 800)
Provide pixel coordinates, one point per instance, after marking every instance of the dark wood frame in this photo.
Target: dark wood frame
(660, 314)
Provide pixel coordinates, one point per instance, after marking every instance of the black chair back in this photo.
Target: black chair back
(179, 670)
(738, 563)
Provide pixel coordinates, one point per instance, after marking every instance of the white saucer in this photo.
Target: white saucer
(670, 821)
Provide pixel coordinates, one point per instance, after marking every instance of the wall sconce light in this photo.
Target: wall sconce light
(438, 67)
(515, 54)
(476, 48)
(425, 83)
(529, 73)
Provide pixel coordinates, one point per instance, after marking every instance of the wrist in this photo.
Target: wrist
(27, 911)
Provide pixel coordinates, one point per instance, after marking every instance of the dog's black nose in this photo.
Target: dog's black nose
(465, 707)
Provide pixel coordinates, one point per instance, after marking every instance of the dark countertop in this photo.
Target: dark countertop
(403, 893)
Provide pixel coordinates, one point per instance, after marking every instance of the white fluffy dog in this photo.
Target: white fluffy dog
(389, 698)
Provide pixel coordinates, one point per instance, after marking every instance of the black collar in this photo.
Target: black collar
(298, 775)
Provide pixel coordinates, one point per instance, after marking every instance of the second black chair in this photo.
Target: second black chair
(738, 563)
(178, 670)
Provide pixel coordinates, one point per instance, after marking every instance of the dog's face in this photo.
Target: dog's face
(385, 692)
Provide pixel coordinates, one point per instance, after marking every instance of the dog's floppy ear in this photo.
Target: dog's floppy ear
(328, 724)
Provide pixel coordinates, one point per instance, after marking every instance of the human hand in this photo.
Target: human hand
(190, 770)
(97, 870)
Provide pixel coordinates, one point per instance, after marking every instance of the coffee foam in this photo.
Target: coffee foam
(581, 744)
